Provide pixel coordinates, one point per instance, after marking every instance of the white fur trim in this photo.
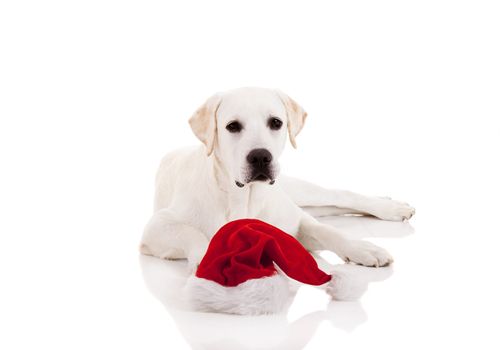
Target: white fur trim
(344, 287)
(254, 297)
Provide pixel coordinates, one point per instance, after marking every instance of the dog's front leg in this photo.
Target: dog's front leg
(317, 199)
(167, 237)
(317, 236)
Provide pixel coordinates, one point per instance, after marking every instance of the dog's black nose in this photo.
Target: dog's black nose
(259, 157)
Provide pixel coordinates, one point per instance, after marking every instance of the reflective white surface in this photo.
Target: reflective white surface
(430, 297)
(294, 327)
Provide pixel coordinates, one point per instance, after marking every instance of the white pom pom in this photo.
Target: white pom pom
(344, 287)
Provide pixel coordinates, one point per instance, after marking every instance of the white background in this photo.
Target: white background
(403, 100)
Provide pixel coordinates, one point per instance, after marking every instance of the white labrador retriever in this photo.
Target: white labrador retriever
(236, 175)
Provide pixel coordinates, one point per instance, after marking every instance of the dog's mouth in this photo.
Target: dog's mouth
(261, 174)
(258, 176)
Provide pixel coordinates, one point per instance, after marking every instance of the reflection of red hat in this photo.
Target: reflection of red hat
(238, 274)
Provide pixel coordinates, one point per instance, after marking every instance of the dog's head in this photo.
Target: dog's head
(246, 130)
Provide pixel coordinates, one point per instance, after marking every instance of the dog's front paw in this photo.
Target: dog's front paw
(388, 209)
(365, 253)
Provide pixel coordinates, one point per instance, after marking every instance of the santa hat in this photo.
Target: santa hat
(238, 275)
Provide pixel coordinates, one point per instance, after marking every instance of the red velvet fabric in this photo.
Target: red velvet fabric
(247, 248)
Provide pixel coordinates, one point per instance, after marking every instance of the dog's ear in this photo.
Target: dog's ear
(203, 122)
(296, 116)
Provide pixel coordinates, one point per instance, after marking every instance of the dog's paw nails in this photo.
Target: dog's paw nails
(366, 254)
(393, 210)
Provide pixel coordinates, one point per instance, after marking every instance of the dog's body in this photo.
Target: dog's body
(235, 176)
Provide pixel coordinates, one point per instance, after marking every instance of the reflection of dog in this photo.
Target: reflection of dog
(235, 175)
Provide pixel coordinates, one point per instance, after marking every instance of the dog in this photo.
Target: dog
(235, 174)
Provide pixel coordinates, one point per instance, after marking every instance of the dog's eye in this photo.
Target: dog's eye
(274, 123)
(234, 127)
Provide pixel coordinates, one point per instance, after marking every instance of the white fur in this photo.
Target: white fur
(266, 295)
(196, 191)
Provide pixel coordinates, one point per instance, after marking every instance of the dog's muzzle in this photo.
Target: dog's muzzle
(259, 167)
(259, 164)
